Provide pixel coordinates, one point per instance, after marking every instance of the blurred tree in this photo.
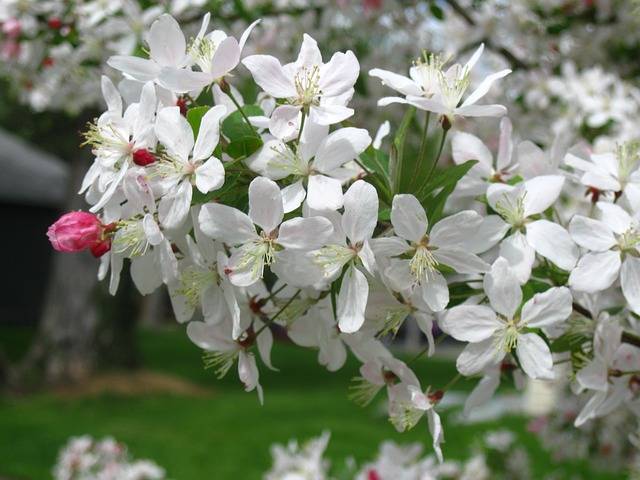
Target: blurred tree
(81, 327)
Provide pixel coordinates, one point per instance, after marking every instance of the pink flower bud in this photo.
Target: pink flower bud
(12, 28)
(143, 157)
(77, 231)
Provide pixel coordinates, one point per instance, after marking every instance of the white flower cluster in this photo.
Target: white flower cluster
(54, 51)
(400, 462)
(84, 458)
(281, 213)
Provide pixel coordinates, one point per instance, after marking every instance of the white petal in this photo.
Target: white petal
(591, 234)
(340, 147)
(210, 175)
(455, 230)
(111, 95)
(399, 275)
(542, 192)
(481, 111)
(553, 242)
(181, 80)
(174, 132)
(435, 292)
(226, 223)
(484, 87)
(465, 146)
(505, 145)
(270, 76)
(309, 55)
(339, 74)
(292, 196)
(140, 69)
(630, 281)
(174, 208)
(352, 301)
(265, 204)
(502, 288)
(324, 193)
(460, 260)
(595, 272)
(548, 308)
(145, 273)
(408, 217)
(225, 58)
(167, 45)
(305, 233)
(325, 114)
(402, 84)
(519, 254)
(594, 376)
(469, 323)
(285, 122)
(209, 132)
(534, 356)
(615, 217)
(483, 391)
(360, 211)
(477, 356)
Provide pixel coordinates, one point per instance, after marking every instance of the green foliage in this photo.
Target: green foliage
(194, 117)
(243, 138)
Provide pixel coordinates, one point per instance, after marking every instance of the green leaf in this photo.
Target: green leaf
(243, 138)
(398, 151)
(244, 147)
(435, 206)
(445, 178)
(376, 161)
(194, 117)
(436, 11)
(235, 126)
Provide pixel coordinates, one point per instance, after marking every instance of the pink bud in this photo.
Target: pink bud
(143, 157)
(11, 28)
(77, 231)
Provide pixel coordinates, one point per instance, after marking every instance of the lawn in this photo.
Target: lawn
(226, 434)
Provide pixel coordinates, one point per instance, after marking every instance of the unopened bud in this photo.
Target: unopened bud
(143, 157)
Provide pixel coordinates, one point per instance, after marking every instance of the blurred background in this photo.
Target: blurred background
(74, 360)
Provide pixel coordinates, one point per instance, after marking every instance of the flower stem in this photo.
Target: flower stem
(278, 313)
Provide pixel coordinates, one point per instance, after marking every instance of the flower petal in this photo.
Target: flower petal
(360, 211)
(595, 272)
(547, 308)
(534, 356)
(502, 288)
(408, 217)
(265, 204)
(225, 223)
(352, 301)
(553, 242)
(305, 233)
(591, 234)
(469, 323)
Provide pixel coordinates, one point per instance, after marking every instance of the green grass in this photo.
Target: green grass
(227, 435)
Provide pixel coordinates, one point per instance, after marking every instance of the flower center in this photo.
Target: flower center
(194, 281)
(423, 263)
(307, 82)
(512, 210)
(428, 70)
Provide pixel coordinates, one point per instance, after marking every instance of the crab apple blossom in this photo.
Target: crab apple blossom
(518, 206)
(256, 250)
(497, 330)
(320, 89)
(613, 251)
(434, 89)
(273, 212)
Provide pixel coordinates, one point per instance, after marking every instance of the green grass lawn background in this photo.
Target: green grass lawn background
(226, 435)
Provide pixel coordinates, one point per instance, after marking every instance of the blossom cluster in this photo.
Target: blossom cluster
(497, 456)
(85, 458)
(280, 213)
(54, 51)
